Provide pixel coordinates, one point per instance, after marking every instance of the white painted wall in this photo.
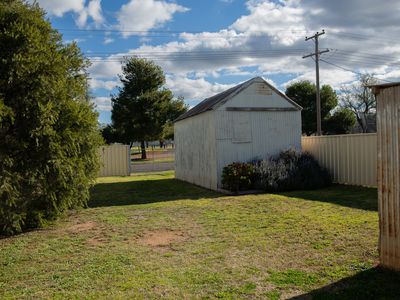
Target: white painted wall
(195, 159)
(270, 132)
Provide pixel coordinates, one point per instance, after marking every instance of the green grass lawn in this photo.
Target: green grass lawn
(150, 236)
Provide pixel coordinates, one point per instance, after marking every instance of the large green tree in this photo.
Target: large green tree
(143, 106)
(304, 93)
(48, 128)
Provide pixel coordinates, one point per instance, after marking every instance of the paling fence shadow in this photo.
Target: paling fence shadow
(374, 283)
(145, 191)
(349, 196)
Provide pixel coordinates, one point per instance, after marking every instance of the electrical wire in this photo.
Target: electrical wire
(349, 70)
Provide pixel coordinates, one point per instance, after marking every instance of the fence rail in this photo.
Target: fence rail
(115, 160)
(351, 158)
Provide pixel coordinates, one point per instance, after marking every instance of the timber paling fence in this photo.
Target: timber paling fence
(351, 158)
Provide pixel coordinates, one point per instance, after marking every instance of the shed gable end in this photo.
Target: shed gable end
(258, 96)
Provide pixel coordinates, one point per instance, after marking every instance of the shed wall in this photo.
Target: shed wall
(195, 156)
(388, 123)
(269, 132)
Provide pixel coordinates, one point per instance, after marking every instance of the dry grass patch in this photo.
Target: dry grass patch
(161, 238)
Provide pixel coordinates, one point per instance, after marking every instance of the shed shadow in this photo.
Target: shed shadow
(145, 191)
(345, 195)
(374, 283)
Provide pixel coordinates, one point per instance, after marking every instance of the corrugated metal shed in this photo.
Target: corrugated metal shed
(251, 120)
(388, 136)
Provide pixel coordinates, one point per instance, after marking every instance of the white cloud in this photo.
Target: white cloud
(143, 15)
(106, 69)
(198, 88)
(102, 103)
(268, 40)
(59, 7)
(282, 21)
(93, 11)
(332, 77)
(108, 40)
(103, 84)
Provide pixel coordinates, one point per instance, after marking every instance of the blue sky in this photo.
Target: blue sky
(207, 46)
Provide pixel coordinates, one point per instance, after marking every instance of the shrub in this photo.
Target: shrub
(237, 176)
(291, 170)
(48, 127)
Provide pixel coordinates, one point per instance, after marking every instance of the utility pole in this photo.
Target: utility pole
(317, 53)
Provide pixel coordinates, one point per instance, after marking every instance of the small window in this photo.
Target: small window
(241, 128)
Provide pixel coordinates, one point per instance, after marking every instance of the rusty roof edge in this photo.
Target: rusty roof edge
(377, 87)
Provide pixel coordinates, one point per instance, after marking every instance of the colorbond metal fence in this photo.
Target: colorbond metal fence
(115, 160)
(351, 158)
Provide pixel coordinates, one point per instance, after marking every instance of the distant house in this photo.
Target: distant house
(251, 120)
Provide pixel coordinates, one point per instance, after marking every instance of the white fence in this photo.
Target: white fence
(115, 160)
(351, 158)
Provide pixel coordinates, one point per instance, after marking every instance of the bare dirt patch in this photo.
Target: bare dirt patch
(161, 238)
(95, 242)
(82, 227)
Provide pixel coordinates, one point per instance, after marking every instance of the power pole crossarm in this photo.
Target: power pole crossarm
(317, 53)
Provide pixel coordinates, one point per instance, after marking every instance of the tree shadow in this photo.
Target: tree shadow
(344, 195)
(374, 283)
(145, 191)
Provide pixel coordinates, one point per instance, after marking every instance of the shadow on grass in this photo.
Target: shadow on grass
(345, 195)
(145, 191)
(375, 283)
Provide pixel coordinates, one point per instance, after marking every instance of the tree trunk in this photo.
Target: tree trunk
(143, 147)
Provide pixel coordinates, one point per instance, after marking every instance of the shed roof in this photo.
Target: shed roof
(377, 87)
(213, 101)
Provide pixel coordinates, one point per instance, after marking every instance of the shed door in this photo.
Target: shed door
(241, 127)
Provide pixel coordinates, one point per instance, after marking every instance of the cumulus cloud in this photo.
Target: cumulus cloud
(197, 88)
(143, 15)
(268, 40)
(59, 7)
(103, 84)
(106, 69)
(93, 11)
(82, 11)
(281, 21)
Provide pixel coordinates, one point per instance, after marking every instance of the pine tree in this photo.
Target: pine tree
(48, 127)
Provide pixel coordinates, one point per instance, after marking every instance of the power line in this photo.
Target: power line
(349, 70)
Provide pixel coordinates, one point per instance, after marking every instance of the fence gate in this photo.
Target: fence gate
(115, 160)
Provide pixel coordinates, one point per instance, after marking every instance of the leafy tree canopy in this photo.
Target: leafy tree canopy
(48, 128)
(304, 93)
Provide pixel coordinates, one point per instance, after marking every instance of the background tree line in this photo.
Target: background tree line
(339, 113)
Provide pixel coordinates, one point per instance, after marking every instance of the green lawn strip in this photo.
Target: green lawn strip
(322, 243)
